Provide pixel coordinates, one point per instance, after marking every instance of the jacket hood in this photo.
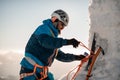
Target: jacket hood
(51, 26)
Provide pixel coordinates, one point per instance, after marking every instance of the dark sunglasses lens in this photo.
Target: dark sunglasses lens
(63, 24)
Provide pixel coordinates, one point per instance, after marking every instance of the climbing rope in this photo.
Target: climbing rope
(81, 44)
(85, 60)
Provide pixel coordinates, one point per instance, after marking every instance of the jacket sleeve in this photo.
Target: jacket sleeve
(65, 57)
(50, 42)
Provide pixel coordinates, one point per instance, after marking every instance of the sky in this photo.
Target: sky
(19, 19)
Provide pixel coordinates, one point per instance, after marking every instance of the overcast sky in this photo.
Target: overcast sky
(19, 18)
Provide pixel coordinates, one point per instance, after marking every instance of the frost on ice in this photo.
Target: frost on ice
(105, 22)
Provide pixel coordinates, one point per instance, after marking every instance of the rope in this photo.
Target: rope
(79, 67)
(82, 62)
(81, 44)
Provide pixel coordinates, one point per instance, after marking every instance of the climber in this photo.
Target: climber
(43, 47)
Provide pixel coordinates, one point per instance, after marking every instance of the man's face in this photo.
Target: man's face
(60, 26)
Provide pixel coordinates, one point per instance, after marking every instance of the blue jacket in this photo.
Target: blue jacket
(42, 44)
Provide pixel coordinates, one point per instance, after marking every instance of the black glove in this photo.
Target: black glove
(79, 57)
(73, 42)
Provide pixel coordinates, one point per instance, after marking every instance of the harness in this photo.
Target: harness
(43, 72)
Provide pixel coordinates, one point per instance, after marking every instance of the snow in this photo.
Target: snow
(105, 23)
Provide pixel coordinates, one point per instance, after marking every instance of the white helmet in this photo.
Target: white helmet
(62, 16)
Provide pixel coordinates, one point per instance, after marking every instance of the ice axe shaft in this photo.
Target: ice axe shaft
(92, 63)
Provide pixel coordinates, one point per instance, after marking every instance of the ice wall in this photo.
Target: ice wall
(105, 23)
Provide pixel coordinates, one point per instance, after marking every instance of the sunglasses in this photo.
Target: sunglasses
(62, 24)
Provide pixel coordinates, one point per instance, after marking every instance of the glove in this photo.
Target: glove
(73, 42)
(79, 57)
